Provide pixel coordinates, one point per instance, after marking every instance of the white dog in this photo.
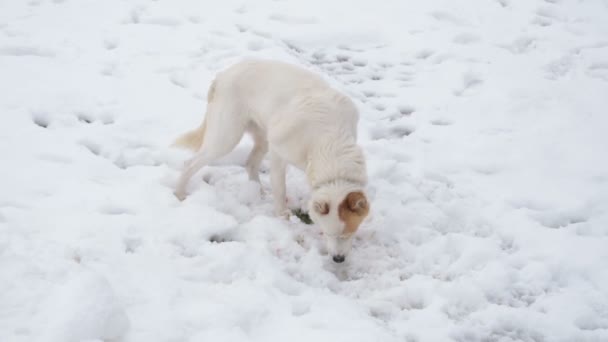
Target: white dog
(302, 121)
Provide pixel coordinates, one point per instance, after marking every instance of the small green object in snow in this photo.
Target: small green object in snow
(302, 215)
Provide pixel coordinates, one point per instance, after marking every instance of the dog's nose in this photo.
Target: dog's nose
(339, 258)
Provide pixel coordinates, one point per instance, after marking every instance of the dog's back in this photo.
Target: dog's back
(266, 86)
(292, 106)
(280, 92)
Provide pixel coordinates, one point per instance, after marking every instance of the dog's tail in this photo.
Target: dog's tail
(192, 140)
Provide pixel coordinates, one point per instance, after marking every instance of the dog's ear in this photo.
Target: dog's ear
(357, 203)
(321, 207)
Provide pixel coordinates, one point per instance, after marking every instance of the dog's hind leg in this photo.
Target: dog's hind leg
(260, 148)
(191, 167)
(223, 132)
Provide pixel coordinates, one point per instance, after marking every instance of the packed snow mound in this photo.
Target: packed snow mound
(83, 308)
(483, 123)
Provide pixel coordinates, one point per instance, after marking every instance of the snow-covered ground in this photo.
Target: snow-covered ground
(485, 124)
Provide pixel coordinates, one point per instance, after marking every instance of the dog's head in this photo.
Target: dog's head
(338, 210)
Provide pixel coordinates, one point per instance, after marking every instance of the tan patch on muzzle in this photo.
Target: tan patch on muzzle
(352, 211)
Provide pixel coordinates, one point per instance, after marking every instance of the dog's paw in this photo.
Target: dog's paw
(181, 195)
(283, 213)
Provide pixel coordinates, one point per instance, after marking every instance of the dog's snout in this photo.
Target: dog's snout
(339, 258)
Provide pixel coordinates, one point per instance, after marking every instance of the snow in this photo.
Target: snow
(84, 308)
(484, 124)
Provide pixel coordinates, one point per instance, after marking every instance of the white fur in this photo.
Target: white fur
(297, 117)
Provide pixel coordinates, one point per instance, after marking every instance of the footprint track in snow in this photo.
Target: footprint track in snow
(598, 70)
(520, 45)
(93, 118)
(132, 244)
(179, 79)
(440, 122)
(545, 17)
(392, 131)
(470, 81)
(92, 147)
(406, 110)
(554, 220)
(26, 51)
(41, 119)
(359, 75)
(125, 156)
(113, 209)
(45, 119)
(445, 16)
(424, 53)
(466, 38)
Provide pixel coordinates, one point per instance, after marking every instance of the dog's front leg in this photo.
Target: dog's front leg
(278, 168)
